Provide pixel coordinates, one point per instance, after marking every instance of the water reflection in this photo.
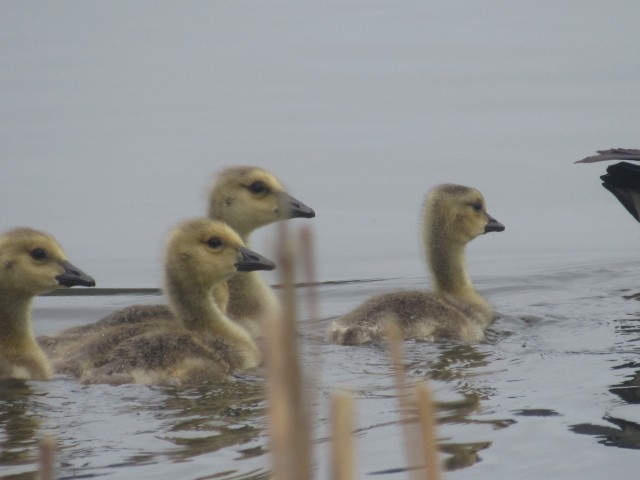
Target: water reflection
(626, 433)
(207, 419)
(462, 455)
(629, 390)
(459, 365)
(19, 426)
(100, 428)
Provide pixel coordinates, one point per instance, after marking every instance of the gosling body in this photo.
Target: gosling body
(453, 215)
(190, 342)
(31, 263)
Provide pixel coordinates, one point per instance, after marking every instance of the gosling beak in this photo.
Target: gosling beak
(73, 276)
(252, 261)
(493, 225)
(296, 208)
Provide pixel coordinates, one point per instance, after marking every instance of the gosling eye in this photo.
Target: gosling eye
(214, 242)
(38, 253)
(258, 187)
(477, 206)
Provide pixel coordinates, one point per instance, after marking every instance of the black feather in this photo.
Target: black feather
(623, 180)
(613, 154)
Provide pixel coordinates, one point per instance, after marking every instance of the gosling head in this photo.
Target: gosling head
(32, 262)
(209, 252)
(459, 213)
(247, 198)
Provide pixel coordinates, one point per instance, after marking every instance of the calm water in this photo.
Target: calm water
(551, 393)
(115, 116)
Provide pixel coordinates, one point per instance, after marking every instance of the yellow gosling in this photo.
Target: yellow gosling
(31, 263)
(247, 198)
(197, 342)
(453, 216)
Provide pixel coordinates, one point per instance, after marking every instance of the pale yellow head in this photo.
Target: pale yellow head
(457, 214)
(247, 198)
(201, 253)
(32, 262)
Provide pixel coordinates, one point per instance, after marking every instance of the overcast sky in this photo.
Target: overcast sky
(116, 115)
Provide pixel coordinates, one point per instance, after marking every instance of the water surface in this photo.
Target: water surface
(554, 386)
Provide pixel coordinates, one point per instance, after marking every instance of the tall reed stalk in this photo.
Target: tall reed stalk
(289, 412)
(47, 457)
(342, 444)
(420, 443)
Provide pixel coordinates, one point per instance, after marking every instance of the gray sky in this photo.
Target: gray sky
(116, 115)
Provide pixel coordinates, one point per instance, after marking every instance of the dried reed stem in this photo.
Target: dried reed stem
(428, 428)
(425, 414)
(309, 264)
(47, 457)
(289, 416)
(394, 344)
(342, 444)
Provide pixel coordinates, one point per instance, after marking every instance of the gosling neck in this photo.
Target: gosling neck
(193, 305)
(243, 232)
(15, 318)
(446, 260)
(249, 295)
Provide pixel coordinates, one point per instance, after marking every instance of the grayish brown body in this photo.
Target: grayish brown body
(453, 216)
(31, 263)
(195, 342)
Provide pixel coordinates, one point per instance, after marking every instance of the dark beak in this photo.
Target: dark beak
(296, 208)
(252, 261)
(493, 225)
(73, 276)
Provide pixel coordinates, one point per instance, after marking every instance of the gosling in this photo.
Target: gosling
(247, 198)
(453, 215)
(197, 342)
(31, 263)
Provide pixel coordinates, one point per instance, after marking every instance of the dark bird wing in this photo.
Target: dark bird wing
(613, 154)
(623, 180)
